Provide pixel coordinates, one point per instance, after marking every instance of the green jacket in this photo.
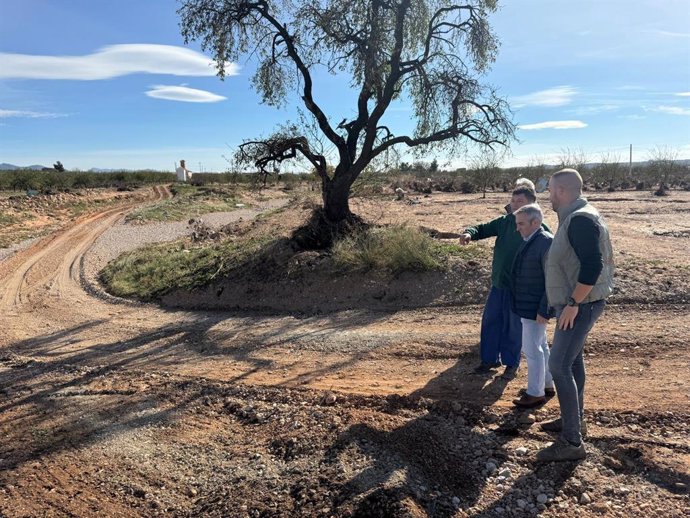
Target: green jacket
(508, 240)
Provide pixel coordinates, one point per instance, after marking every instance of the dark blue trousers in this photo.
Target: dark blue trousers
(501, 335)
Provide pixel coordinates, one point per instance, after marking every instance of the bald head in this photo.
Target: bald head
(569, 180)
(565, 187)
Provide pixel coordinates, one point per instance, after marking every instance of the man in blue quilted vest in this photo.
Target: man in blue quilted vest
(579, 278)
(528, 288)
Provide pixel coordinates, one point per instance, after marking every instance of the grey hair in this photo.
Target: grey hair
(532, 211)
(524, 182)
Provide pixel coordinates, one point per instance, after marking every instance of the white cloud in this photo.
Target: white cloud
(633, 117)
(29, 114)
(672, 34)
(184, 94)
(112, 61)
(673, 110)
(593, 110)
(630, 87)
(683, 94)
(557, 96)
(553, 125)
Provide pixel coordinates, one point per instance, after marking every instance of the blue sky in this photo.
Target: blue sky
(110, 84)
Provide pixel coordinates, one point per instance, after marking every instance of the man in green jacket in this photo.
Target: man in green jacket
(501, 330)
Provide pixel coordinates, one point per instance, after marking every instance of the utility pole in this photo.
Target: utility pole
(630, 167)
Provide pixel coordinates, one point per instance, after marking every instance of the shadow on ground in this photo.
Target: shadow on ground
(424, 454)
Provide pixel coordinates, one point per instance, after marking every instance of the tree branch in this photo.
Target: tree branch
(307, 95)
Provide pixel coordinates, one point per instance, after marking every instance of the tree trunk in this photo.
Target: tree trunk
(336, 199)
(334, 220)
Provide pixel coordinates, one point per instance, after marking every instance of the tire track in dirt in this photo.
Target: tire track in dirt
(40, 266)
(49, 263)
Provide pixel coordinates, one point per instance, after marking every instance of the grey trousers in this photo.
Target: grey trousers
(568, 367)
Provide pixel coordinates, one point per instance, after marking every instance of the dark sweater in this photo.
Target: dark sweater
(583, 235)
(527, 278)
(508, 240)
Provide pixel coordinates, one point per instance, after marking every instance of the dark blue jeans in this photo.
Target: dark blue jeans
(567, 366)
(501, 334)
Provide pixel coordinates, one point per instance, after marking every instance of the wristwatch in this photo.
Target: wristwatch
(571, 302)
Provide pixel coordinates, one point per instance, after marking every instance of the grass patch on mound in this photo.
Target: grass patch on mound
(9, 219)
(12, 229)
(83, 206)
(188, 201)
(396, 249)
(468, 253)
(264, 255)
(150, 272)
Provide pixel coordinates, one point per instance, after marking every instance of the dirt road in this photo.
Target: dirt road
(124, 409)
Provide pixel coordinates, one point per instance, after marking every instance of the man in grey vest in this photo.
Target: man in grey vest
(579, 278)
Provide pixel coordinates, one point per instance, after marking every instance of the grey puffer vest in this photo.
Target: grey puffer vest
(563, 266)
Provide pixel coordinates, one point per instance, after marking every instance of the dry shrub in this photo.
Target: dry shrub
(396, 248)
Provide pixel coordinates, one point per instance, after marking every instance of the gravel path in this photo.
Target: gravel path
(13, 249)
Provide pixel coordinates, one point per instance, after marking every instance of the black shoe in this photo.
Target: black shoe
(484, 368)
(510, 373)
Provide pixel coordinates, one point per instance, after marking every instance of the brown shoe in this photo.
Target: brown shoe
(527, 401)
(549, 392)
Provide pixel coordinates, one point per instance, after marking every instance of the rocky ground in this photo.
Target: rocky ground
(110, 409)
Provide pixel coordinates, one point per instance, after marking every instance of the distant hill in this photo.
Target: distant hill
(100, 170)
(11, 167)
(641, 163)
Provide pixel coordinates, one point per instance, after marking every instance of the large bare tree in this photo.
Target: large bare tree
(428, 53)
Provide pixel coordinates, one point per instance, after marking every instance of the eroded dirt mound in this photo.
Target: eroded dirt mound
(283, 278)
(309, 282)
